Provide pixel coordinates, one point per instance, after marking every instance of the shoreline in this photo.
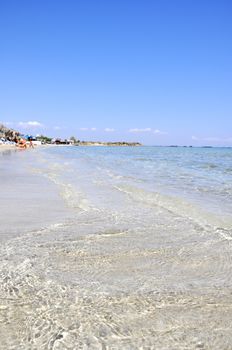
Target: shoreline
(29, 200)
(7, 148)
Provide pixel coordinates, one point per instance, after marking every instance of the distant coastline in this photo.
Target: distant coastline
(9, 135)
(8, 138)
(100, 143)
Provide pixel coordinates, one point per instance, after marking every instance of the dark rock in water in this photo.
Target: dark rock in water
(59, 336)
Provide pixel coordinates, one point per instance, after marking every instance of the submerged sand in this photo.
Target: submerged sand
(120, 271)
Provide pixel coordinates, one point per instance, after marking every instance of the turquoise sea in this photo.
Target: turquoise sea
(116, 248)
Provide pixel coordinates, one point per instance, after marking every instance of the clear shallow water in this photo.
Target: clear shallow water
(130, 249)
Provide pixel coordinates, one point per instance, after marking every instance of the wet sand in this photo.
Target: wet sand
(7, 147)
(28, 200)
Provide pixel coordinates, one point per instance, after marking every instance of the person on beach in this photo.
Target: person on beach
(30, 143)
(22, 143)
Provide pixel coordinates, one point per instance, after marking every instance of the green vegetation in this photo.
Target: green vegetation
(74, 139)
(44, 139)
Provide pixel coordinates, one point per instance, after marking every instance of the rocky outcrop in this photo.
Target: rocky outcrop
(8, 134)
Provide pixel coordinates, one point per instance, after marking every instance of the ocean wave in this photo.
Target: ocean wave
(178, 206)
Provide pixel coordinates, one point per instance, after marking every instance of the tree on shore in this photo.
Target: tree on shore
(44, 139)
(73, 138)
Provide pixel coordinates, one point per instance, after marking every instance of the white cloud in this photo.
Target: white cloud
(157, 131)
(140, 130)
(109, 129)
(93, 129)
(154, 131)
(57, 128)
(195, 138)
(83, 129)
(30, 124)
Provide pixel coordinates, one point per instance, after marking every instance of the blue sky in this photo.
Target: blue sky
(154, 71)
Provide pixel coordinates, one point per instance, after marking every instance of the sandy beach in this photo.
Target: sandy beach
(7, 147)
